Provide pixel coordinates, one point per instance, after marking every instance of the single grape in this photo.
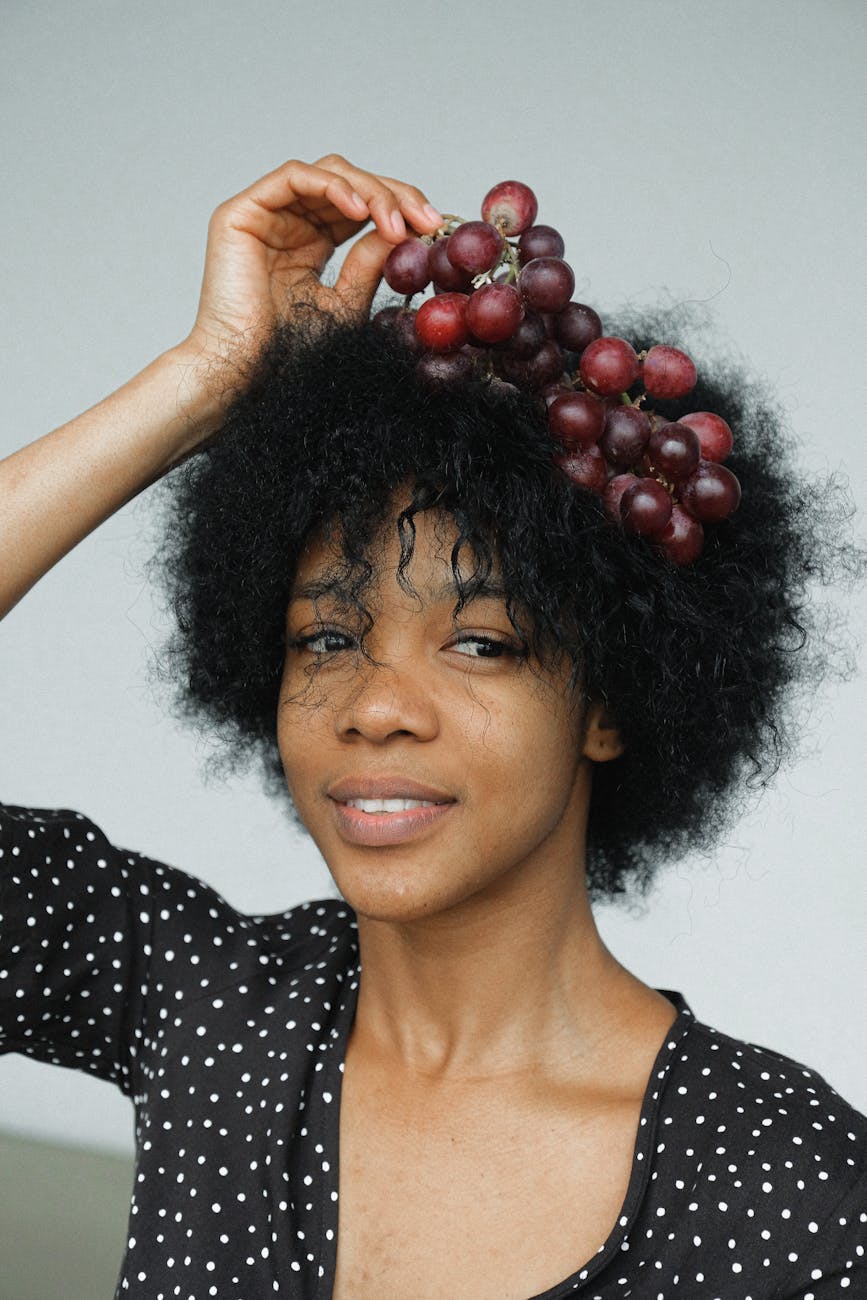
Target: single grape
(544, 367)
(614, 489)
(586, 468)
(645, 507)
(402, 322)
(441, 323)
(407, 268)
(711, 493)
(442, 369)
(546, 283)
(682, 539)
(446, 278)
(511, 206)
(674, 450)
(714, 434)
(528, 337)
(475, 246)
(608, 365)
(540, 241)
(576, 326)
(494, 312)
(576, 419)
(668, 373)
(626, 434)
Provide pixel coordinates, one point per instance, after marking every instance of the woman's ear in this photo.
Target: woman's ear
(602, 740)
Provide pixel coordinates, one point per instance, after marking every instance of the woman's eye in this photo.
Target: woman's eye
(329, 642)
(322, 643)
(482, 647)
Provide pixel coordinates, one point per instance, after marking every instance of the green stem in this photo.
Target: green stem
(510, 258)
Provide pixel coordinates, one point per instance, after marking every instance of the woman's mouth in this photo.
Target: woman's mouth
(389, 805)
(378, 822)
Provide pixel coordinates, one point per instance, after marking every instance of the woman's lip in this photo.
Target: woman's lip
(375, 829)
(385, 787)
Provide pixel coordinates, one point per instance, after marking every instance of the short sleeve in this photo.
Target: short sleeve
(75, 944)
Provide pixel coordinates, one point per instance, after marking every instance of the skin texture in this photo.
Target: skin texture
(478, 944)
(494, 1035)
(459, 714)
(276, 237)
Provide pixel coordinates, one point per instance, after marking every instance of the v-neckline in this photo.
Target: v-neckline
(332, 1083)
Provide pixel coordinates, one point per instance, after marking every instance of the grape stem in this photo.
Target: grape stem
(449, 221)
(510, 258)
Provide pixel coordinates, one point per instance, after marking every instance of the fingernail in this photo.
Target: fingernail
(358, 200)
(432, 214)
(398, 224)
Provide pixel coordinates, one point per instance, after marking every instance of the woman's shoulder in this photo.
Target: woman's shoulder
(35, 823)
(765, 1072)
(85, 923)
(59, 855)
(754, 1109)
(750, 1170)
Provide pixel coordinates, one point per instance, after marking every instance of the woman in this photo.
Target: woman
(489, 705)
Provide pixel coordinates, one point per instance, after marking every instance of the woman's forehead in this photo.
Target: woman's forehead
(323, 565)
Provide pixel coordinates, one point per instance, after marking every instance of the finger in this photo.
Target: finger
(280, 208)
(415, 203)
(361, 272)
(283, 208)
(334, 194)
(391, 202)
(295, 179)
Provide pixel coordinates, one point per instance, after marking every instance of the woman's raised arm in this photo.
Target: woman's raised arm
(266, 246)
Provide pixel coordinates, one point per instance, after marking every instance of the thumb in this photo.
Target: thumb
(361, 272)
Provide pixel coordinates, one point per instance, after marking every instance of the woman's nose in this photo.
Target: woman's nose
(386, 700)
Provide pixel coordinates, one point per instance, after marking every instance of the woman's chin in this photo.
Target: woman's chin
(397, 896)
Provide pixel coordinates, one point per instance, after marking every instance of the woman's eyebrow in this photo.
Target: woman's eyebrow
(316, 588)
(487, 589)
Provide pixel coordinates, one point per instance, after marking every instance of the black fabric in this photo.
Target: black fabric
(228, 1032)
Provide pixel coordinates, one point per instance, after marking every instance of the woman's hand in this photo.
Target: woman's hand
(273, 240)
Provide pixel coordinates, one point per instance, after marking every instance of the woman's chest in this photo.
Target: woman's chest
(498, 1198)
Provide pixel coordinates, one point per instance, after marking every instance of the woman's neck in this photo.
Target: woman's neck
(496, 986)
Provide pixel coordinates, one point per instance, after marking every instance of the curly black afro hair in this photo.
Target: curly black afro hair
(694, 663)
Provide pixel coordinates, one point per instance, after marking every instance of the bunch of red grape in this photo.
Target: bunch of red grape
(503, 309)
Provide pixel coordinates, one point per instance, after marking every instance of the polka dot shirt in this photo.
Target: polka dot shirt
(228, 1033)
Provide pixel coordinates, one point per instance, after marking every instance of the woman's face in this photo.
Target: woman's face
(451, 717)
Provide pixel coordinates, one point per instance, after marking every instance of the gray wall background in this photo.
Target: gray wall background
(710, 152)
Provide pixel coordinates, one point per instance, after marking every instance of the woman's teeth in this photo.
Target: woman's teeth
(388, 805)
